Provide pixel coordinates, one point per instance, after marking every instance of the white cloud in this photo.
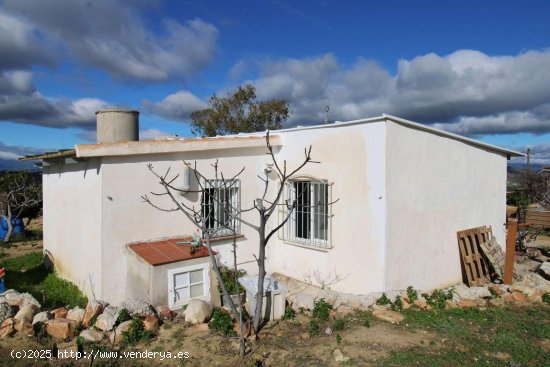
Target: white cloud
(467, 91)
(108, 34)
(151, 134)
(21, 102)
(176, 106)
(9, 155)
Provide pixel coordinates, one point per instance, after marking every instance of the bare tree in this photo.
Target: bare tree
(18, 191)
(538, 186)
(265, 206)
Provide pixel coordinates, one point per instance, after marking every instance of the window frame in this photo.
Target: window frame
(215, 207)
(288, 230)
(172, 302)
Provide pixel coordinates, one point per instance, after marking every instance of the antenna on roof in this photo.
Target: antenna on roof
(327, 108)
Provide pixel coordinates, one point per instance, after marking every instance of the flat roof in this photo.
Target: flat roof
(248, 140)
(167, 251)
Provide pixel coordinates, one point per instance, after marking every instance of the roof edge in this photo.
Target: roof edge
(416, 125)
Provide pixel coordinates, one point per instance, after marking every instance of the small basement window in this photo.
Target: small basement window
(310, 222)
(187, 283)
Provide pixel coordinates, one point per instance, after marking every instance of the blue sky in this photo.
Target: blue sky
(477, 68)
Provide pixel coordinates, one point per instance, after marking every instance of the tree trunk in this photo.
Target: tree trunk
(225, 292)
(9, 223)
(258, 316)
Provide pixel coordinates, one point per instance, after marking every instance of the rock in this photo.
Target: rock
(339, 357)
(344, 311)
(464, 303)
(60, 313)
(41, 317)
(514, 297)
(68, 348)
(92, 335)
(328, 331)
(496, 302)
(24, 327)
(406, 304)
(6, 311)
(422, 304)
(7, 328)
(197, 311)
(118, 335)
(450, 304)
(106, 321)
(496, 290)
(380, 307)
(388, 315)
(544, 270)
(93, 310)
(303, 300)
(535, 297)
(305, 336)
(26, 312)
(61, 328)
(137, 306)
(14, 298)
(471, 293)
(150, 323)
(165, 312)
(76, 314)
(354, 303)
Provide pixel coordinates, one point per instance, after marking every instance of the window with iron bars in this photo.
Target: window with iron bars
(220, 205)
(310, 222)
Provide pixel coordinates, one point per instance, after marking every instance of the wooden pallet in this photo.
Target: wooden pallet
(475, 270)
(538, 218)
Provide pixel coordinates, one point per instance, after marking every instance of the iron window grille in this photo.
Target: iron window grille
(221, 205)
(310, 222)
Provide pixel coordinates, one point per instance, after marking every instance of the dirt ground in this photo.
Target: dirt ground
(22, 246)
(285, 343)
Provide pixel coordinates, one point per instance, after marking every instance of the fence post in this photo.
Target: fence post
(510, 251)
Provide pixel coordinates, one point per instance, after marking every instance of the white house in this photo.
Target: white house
(403, 190)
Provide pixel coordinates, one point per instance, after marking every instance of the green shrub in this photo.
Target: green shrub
(60, 292)
(383, 300)
(228, 277)
(438, 297)
(546, 297)
(123, 315)
(412, 294)
(397, 305)
(290, 314)
(338, 339)
(314, 327)
(339, 325)
(25, 263)
(222, 322)
(136, 332)
(321, 309)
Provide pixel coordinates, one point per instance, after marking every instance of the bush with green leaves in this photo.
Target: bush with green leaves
(438, 297)
(338, 339)
(228, 277)
(546, 297)
(397, 305)
(383, 300)
(339, 325)
(222, 322)
(314, 327)
(123, 315)
(412, 294)
(136, 332)
(321, 309)
(289, 314)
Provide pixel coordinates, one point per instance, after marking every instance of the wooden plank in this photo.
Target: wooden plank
(510, 251)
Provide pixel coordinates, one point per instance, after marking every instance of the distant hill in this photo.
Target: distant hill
(15, 165)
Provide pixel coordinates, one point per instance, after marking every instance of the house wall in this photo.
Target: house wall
(437, 186)
(352, 158)
(126, 218)
(72, 222)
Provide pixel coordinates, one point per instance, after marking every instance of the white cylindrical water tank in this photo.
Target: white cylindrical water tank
(116, 125)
